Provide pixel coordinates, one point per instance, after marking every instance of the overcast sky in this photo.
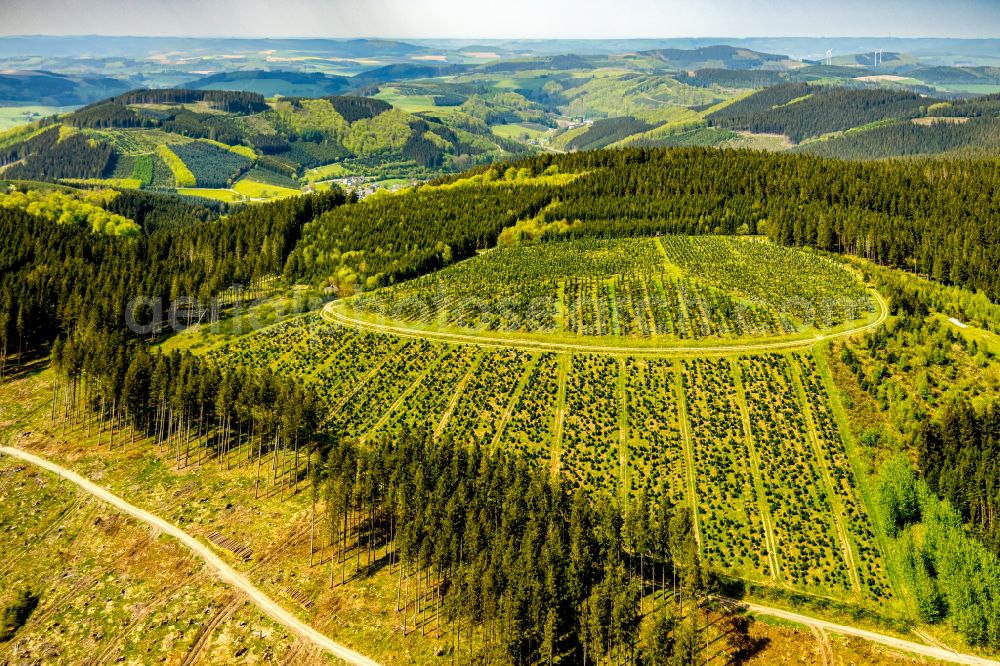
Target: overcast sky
(503, 18)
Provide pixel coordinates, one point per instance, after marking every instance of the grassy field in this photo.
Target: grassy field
(228, 196)
(12, 116)
(520, 131)
(255, 190)
(407, 103)
(326, 172)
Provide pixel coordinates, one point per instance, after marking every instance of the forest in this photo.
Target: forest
(959, 454)
(221, 100)
(733, 78)
(50, 156)
(801, 111)
(66, 292)
(519, 566)
(606, 131)
(976, 138)
(922, 216)
(62, 278)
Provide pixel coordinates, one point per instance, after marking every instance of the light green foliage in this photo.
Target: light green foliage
(218, 194)
(142, 170)
(182, 175)
(951, 575)
(634, 96)
(82, 210)
(311, 115)
(245, 151)
(257, 190)
(386, 132)
(897, 494)
(66, 131)
(123, 183)
(676, 286)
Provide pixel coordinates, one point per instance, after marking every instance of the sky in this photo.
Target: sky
(501, 19)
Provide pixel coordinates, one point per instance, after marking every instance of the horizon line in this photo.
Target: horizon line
(485, 39)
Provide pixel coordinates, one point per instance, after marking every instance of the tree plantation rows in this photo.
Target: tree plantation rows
(678, 287)
(496, 561)
(751, 442)
(932, 217)
(535, 505)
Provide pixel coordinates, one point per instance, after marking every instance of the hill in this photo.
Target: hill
(762, 461)
(721, 57)
(801, 111)
(49, 89)
(217, 139)
(939, 136)
(273, 83)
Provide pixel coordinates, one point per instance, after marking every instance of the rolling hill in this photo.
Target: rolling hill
(175, 139)
(720, 56)
(49, 89)
(272, 83)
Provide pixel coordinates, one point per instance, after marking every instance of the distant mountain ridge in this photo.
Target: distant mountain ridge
(51, 89)
(720, 56)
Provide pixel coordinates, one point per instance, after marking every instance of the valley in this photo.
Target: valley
(655, 352)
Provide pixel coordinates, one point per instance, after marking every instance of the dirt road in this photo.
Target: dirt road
(283, 617)
(933, 652)
(333, 315)
(267, 605)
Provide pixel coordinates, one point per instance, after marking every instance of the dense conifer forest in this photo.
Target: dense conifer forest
(527, 570)
(977, 138)
(800, 111)
(932, 218)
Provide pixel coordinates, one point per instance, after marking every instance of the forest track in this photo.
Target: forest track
(332, 315)
(225, 611)
(823, 643)
(689, 457)
(457, 395)
(229, 575)
(283, 617)
(755, 472)
(903, 645)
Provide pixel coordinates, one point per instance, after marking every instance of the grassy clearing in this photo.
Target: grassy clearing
(228, 196)
(407, 103)
(211, 497)
(112, 589)
(770, 142)
(520, 131)
(124, 183)
(256, 190)
(326, 172)
(13, 116)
